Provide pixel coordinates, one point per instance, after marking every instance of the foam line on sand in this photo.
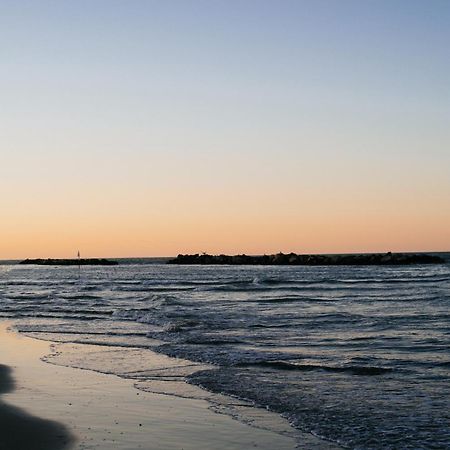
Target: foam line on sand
(81, 409)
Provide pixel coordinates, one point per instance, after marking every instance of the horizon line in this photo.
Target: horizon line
(229, 254)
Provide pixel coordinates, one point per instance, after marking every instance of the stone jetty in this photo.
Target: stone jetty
(71, 262)
(293, 259)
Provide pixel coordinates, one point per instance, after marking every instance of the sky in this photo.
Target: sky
(150, 128)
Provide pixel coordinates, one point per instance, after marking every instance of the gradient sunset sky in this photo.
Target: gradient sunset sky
(150, 128)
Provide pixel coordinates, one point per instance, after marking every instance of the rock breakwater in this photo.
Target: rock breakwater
(366, 259)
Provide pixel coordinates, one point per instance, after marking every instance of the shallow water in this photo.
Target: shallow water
(357, 355)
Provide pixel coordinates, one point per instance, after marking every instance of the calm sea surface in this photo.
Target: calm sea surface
(356, 355)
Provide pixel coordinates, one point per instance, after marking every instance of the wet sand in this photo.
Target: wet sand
(22, 431)
(65, 407)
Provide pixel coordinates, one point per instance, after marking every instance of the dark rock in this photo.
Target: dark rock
(71, 262)
(312, 260)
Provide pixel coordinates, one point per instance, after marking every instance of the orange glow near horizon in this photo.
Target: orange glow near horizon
(224, 205)
(232, 228)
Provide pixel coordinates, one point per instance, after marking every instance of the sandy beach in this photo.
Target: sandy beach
(44, 406)
(20, 430)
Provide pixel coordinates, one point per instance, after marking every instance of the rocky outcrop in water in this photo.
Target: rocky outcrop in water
(366, 259)
(71, 262)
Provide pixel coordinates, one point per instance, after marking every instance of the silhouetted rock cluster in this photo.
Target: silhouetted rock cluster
(71, 262)
(293, 259)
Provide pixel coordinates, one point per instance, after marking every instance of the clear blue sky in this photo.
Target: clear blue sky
(208, 116)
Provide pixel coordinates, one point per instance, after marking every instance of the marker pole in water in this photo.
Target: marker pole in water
(79, 265)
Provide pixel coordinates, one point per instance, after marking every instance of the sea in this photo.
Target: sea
(357, 356)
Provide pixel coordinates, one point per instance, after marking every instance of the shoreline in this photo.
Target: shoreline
(105, 411)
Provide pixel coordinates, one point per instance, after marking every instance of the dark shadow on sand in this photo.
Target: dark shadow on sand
(21, 431)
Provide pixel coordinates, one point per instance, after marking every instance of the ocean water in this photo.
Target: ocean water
(359, 356)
